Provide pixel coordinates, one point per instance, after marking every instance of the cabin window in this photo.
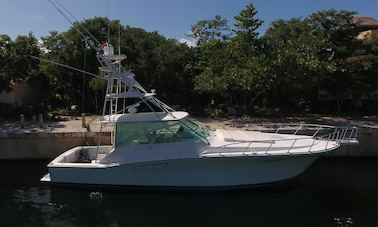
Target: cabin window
(133, 133)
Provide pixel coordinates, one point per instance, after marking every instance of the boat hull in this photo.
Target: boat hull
(194, 172)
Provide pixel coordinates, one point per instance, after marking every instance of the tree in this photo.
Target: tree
(234, 69)
(348, 55)
(319, 52)
(158, 63)
(294, 57)
(205, 31)
(5, 53)
(247, 23)
(15, 62)
(285, 68)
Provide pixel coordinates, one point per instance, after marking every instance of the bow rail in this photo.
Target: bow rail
(341, 134)
(312, 138)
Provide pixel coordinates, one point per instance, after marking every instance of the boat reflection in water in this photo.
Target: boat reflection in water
(331, 191)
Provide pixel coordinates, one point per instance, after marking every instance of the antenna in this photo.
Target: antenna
(60, 9)
(97, 47)
(83, 84)
(108, 22)
(119, 27)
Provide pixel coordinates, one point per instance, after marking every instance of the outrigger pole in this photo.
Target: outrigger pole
(120, 82)
(67, 66)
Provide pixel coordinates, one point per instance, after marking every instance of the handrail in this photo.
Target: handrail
(297, 125)
(338, 134)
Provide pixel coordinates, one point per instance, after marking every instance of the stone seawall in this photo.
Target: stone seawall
(46, 145)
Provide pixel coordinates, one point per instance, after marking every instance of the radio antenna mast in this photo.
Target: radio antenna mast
(74, 21)
(108, 21)
(119, 27)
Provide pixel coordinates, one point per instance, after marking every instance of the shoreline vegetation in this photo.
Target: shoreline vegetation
(305, 65)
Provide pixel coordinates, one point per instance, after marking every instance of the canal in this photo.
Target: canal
(332, 192)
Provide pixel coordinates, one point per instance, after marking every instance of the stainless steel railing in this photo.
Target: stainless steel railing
(338, 134)
(342, 134)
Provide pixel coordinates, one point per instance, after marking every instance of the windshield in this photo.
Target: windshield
(195, 128)
(133, 133)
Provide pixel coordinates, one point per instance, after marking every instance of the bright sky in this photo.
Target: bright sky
(172, 18)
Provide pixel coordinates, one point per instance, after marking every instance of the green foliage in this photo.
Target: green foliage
(287, 66)
(209, 30)
(158, 63)
(233, 70)
(311, 54)
(5, 46)
(247, 23)
(15, 62)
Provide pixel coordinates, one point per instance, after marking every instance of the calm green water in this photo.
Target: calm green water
(332, 192)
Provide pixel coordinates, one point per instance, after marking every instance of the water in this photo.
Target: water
(332, 192)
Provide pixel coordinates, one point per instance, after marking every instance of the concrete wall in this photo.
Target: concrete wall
(50, 145)
(46, 145)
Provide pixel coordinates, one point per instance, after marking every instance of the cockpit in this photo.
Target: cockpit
(151, 129)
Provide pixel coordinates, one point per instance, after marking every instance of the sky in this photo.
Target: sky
(171, 18)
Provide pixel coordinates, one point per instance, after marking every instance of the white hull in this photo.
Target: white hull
(197, 172)
(164, 148)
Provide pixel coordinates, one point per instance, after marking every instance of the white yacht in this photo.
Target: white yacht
(156, 146)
